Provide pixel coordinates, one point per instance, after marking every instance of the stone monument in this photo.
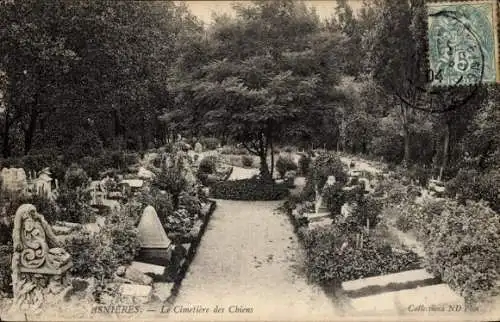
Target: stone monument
(318, 206)
(39, 266)
(14, 180)
(152, 237)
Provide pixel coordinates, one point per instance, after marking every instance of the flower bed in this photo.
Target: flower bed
(461, 246)
(249, 189)
(329, 263)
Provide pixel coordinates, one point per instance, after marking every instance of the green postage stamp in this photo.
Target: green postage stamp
(463, 43)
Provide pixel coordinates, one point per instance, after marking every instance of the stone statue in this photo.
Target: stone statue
(39, 265)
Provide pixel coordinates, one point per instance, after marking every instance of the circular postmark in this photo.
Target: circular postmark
(455, 50)
(461, 45)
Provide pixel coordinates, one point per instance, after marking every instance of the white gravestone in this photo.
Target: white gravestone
(151, 233)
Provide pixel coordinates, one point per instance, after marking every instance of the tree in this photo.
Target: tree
(396, 57)
(267, 69)
(71, 64)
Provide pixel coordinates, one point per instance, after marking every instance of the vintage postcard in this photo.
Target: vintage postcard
(249, 160)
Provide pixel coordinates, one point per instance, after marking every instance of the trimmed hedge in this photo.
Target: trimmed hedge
(249, 189)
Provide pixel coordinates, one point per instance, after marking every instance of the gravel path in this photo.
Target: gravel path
(248, 260)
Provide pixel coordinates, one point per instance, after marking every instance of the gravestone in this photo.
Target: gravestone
(319, 207)
(43, 184)
(14, 180)
(198, 148)
(39, 266)
(152, 237)
(145, 174)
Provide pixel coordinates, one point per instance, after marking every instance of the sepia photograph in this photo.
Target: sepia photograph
(272, 160)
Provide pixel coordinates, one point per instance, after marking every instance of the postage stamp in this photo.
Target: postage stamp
(463, 43)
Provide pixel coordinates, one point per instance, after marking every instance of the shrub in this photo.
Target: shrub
(172, 181)
(162, 202)
(420, 175)
(461, 244)
(74, 205)
(327, 264)
(181, 222)
(304, 164)
(75, 177)
(46, 207)
(366, 210)
(334, 198)
(210, 143)
(285, 163)
(249, 189)
(208, 165)
(470, 184)
(5, 269)
(247, 161)
(99, 255)
(327, 165)
(119, 159)
(92, 166)
(191, 203)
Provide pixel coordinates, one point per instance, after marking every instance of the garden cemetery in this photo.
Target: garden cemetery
(276, 161)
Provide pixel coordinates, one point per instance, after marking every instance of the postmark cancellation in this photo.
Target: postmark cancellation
(463, 42)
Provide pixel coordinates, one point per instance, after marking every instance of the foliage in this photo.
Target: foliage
(161, 202)
(285, 163)
(93, 166)
(366, 211)
(99, 255)
(191, 203)
(6, 252)
(75, 178)
(246, 160)
(181, 222)
(249, 189)
(461, 244)
(254, 86)
(172, 181)
(45, 206)
(210, 143)
(208, 165)
(119, 159)
(327, 165)
(470, 184)
(327, 264)
(420, 175)
(54, 54)
(304, 164)
(74, 205)
(334, 198)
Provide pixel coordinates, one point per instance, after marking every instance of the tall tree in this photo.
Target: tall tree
(396, 57)
(269, 66)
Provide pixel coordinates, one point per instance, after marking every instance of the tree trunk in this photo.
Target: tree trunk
(264, 167)
(30, 132)
(446, 147)
(270, 143)
(406, 133)
(6, 142)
